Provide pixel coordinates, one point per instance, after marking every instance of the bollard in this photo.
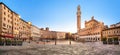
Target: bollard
(70, 42)
(55, 42)
(44, 42)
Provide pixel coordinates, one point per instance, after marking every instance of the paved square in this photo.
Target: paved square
(96, 48)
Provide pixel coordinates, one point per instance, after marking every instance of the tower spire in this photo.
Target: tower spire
(78, 18)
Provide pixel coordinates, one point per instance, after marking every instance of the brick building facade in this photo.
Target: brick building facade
(92, 30)
(12, 25)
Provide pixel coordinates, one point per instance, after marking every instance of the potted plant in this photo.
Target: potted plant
(8, 42)
(116, 41)
(110, 40)
(14, 42)
(104, 40)
(19, 42)
(1, 42)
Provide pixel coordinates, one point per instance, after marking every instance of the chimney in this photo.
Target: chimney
(42, 29)
(47, 28)
(92, 17)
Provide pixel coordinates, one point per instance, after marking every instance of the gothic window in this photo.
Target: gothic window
(8, 15)
(4, 24)
(4, 19)
(117, 31)
(8, 21)
(4, 13)
(109, 32)
(7, 26)
(4, 7)
(114, 31)
(98, 38)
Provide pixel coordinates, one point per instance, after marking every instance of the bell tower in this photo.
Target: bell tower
(78, 19)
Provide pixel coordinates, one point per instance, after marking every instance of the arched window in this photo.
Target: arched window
(98, 38)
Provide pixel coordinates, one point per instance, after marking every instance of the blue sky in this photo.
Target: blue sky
(60, 15)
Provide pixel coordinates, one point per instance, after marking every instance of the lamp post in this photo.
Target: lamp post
(55, 40)
(29, 33)
(70, 38)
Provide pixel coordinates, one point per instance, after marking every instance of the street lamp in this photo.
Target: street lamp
(70, 38)
(55, 40)
(29, 33)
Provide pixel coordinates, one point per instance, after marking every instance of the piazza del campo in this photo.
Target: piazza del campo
(19, 37)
